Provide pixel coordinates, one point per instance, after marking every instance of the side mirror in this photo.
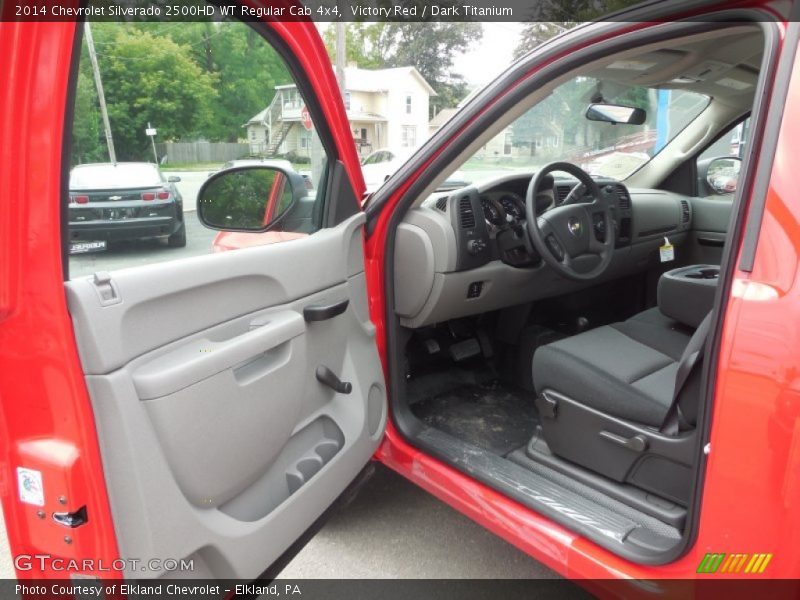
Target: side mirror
(252, 198)
(616, 114)
(173, 179)
(722, 174)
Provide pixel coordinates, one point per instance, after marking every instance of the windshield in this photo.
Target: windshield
(108, 176)
(557, 129)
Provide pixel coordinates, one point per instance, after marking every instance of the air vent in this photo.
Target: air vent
(685, 214)
(465, 214)
(624, 197)
(562, 191)
(441, 203)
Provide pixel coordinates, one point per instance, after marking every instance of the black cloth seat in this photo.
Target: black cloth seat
(626, 370)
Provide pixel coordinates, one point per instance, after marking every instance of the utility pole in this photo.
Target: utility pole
(112, 156)
(340, 55)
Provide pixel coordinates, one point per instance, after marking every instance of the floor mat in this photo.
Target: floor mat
(490, 415)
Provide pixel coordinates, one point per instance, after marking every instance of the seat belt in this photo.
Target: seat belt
(690, 357)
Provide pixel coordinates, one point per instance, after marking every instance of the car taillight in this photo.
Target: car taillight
(148, 196)
(163, 195)
(80, 199)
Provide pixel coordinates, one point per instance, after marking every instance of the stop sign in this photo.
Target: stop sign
(306, 118)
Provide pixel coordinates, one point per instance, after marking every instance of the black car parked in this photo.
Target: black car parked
(123, 201)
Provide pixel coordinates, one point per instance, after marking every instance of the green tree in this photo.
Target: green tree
(151, 79)
(553, 17)
(244, 66)
(87, 141)
(536, 33)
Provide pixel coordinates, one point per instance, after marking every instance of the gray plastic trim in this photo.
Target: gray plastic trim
(218, 459)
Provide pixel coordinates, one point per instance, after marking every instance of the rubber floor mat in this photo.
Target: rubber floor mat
(490, 415)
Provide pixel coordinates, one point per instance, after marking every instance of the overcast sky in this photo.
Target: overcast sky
(489, 57)
(492, 55)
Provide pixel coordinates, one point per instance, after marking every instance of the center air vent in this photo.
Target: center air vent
(465, 214)
(441, 203)
(624, 197)
(562, 191)
(685, 214)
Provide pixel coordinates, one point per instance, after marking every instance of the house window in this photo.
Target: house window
(304, 142)
(408, 104)
(253, 134)
(507, 143)
(408, 136)
(347, 100)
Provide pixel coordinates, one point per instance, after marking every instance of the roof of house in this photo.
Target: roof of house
(377, 80)
(374, 80)
(442, 117)
(259, 118)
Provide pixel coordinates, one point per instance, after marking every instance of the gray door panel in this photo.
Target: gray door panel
(219, 444)
(710, 221)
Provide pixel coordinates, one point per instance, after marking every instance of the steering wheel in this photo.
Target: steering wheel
(565, 235)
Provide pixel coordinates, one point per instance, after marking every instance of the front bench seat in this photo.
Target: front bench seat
(604, 395)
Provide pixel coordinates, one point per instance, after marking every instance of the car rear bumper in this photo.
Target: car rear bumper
(123, 229)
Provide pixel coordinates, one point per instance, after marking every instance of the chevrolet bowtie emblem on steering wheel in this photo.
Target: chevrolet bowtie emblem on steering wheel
(574, 226)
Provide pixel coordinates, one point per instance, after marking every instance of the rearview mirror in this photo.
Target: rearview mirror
(616, 114)
(251, 198)
(173, 179)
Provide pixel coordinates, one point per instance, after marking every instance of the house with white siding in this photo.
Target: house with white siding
(387, 108)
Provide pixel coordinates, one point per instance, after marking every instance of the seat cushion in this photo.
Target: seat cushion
(626, 369)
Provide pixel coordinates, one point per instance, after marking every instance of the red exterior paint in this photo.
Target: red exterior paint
(47, 421)
(752, 489)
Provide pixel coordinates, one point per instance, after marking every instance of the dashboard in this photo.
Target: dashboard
(467, 251)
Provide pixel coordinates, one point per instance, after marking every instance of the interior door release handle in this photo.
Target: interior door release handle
(636, 443)
(323, 312)
(327, 377)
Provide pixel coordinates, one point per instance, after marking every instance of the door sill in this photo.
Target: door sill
(610, 523)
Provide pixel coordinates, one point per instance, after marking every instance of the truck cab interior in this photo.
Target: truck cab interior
(550, 319)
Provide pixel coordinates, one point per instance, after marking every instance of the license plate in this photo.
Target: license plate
(83, 247)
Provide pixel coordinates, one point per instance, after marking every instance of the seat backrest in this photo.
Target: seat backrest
(686, 393)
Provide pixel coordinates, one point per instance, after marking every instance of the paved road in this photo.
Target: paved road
(189, 185)
(130, 254)
(394, 529)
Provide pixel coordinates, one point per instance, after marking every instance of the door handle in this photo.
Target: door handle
(323, 312)
(327, 377)
(636, 443)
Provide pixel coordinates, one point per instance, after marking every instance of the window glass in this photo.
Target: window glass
(113, 176)
(718, 168)
(184, 101)
(731, 143)
(556, 129)
(408, 137)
